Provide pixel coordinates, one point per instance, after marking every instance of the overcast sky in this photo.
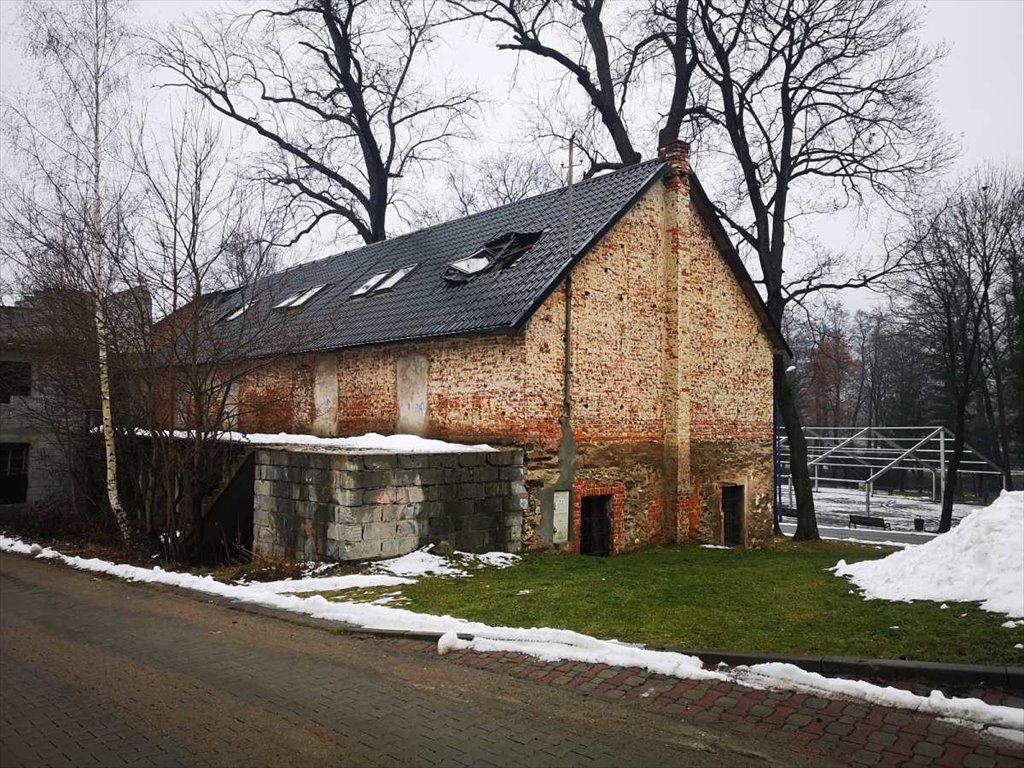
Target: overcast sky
(979, 88)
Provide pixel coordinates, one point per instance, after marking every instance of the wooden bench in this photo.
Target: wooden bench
(787, 512)
(868, 522)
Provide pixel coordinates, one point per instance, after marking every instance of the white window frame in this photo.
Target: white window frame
(300, 298)
(395, 278)
(370, 284)
(237, 313)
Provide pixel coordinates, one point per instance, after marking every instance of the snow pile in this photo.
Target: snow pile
(982, 559)
(368, 442)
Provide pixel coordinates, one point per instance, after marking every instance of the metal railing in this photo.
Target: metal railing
(866, 454)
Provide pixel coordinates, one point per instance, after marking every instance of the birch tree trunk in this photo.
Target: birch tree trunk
(100, 10)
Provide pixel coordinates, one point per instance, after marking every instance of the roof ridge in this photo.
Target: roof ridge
(556, 190)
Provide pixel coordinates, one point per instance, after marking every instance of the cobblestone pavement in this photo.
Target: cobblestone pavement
(852, 733)
(93, 671)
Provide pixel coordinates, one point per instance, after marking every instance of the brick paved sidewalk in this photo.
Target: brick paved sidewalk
(854, 732)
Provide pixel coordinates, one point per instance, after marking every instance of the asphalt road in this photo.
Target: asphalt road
(95, 671)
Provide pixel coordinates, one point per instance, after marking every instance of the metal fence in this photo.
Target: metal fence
(864, 456)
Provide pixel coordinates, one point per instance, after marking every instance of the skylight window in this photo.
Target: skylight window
(370, 284)
(384, 281)
(497, 254)
(300, 298)
(395, 278)
(237, 312)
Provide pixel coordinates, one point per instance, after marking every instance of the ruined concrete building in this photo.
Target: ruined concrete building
(611, 333)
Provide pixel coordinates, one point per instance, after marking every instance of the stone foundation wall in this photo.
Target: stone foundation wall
(359, 506)
(736, 462)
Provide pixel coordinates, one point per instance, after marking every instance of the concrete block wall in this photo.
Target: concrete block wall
(314, 505)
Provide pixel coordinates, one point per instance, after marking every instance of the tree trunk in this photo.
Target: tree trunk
(806, 523)
(109, 445)
(950, 486)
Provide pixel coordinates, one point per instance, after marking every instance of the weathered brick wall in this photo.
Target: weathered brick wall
(671, 382)
(729, 375)
(278, 396)
(356, 506)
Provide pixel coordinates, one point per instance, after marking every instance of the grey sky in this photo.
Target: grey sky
(979, 88)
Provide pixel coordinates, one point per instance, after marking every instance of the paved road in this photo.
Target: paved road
(99, 672)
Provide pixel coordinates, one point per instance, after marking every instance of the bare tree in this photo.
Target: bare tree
(829, 95)
(615, 54)
(203, 246)
(335, 89)
(494, 181)
(951, 301)
(67, 142)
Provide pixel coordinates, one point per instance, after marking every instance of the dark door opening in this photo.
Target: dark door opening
(13, 473)
(732, 515)
(596, 525)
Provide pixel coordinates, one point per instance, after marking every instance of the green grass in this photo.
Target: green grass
(780, 600)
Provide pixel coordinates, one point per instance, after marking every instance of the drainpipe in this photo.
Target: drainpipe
(567, 357)
(562, 489)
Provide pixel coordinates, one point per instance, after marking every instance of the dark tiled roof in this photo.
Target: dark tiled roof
(424, 304)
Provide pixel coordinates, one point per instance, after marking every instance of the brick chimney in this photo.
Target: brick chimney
(677, 155)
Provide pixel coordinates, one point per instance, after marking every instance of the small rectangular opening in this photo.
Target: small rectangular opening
(596, 525)
(13, 473)
(15, 379)
(732, 515)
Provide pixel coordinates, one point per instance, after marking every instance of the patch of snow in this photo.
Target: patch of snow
(944, 607)
(564, 645)
(371, 441)
(326, 583)
(449, 641)
(423, 563)
(390, 597)
(713, 546)
(1012, 624)
(833, 507)
(877, 544)
(419, 563)
(1018, 646)
(494, 559)
(524, 592)
(969, 709)
(982, 559)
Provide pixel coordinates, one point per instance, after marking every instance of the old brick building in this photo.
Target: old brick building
(644, 402)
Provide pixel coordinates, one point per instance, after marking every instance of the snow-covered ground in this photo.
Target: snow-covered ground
(982, 559)
(835, 505)
(542, 643)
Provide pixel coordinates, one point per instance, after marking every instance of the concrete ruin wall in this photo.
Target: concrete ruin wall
(355, 506)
